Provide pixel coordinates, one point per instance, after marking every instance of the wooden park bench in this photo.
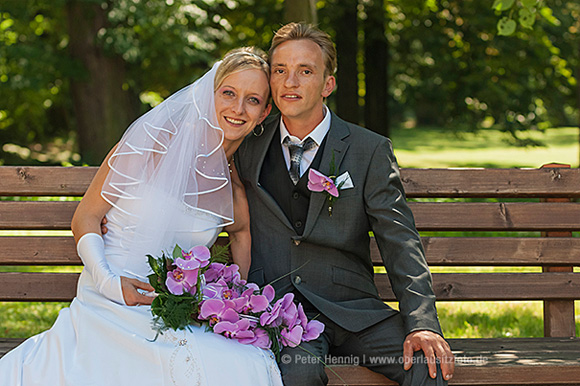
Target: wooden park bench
(525, 200)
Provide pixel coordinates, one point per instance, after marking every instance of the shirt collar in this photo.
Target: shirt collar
(317, 134)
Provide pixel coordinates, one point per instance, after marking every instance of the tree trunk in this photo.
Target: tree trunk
(347, 49)
(376, 61)
(300, 10)
(102, 107)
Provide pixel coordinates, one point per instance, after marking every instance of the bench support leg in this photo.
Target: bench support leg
(558, 314)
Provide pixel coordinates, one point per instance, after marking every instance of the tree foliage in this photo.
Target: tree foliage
(450, 68)
(447, 64)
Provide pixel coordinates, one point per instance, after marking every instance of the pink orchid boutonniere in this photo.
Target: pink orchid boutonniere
(318, 182)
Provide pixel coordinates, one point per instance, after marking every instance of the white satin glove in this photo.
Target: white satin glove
(91, 249)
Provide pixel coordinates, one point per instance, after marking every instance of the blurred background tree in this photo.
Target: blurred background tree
(75, 73)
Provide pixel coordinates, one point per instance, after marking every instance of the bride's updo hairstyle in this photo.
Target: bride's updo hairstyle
(241, 59)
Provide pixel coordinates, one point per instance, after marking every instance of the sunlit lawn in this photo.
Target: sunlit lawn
(439, 148)
(419, 148)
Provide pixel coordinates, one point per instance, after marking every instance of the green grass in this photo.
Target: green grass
(21, 320)
(440, 148)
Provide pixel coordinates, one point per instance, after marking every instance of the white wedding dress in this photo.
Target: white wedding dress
(98, 342)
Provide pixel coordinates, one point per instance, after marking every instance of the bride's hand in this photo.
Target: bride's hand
(131, 294)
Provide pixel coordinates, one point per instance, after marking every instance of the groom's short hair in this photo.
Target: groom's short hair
(302, 31)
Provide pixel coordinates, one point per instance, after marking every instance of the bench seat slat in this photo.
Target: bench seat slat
(471, 376)
(508, 361)
(563, 364)
(499, 183)
(496, 251)
(441, 216)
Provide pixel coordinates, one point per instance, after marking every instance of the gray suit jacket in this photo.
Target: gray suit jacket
(330, 263)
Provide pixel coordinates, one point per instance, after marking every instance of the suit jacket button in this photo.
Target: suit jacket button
(297, 280)
(296, 195)
(296, 242)
(298, 224)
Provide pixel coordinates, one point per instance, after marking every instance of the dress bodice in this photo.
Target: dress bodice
(131, 261)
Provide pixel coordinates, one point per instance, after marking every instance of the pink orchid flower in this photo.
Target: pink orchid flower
(253, 303)
(179, 281)
(318, 182)
(312, 329)
(214, 290)
(238, 330)
(262, 340)
(269, 292)
(213, 272)
(216, 310)
(196, 257)
(292, 337)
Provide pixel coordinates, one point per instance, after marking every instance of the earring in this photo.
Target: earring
(257, 134)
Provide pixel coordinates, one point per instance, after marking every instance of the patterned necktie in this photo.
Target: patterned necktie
(296, 151)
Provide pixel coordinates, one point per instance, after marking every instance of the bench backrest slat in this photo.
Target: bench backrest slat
(26, 286)
(491, 183)
(45, 180)
(440, 216)
(38, 286)
(440, 251)
(36, 215)
(38, 250)
(509, 216)
(496, 251)
(496, 286)
(547, 182)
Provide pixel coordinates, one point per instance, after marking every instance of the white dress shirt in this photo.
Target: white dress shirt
(317, 135)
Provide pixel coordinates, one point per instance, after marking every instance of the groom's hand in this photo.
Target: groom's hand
(434, 347)
(104, 225)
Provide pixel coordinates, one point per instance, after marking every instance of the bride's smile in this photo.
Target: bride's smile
(241, 103)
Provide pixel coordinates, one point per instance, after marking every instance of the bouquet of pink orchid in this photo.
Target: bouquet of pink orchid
(198, 287)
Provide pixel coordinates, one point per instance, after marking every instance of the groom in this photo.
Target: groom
(322, 253)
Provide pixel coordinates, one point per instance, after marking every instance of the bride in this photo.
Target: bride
(170, 180)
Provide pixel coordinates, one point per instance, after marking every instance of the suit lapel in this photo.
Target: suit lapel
(334, 144)
(259, 151)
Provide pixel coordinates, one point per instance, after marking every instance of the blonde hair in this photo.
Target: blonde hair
(240, 59)
(302, 31)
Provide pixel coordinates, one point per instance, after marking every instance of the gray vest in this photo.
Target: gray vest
(274, 177)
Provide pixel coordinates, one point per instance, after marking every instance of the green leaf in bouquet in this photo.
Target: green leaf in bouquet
(157, 305)
(276, 348)
(153, 263)
(177, 252)
(220, 253)
(154, 282)
(177, 311)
